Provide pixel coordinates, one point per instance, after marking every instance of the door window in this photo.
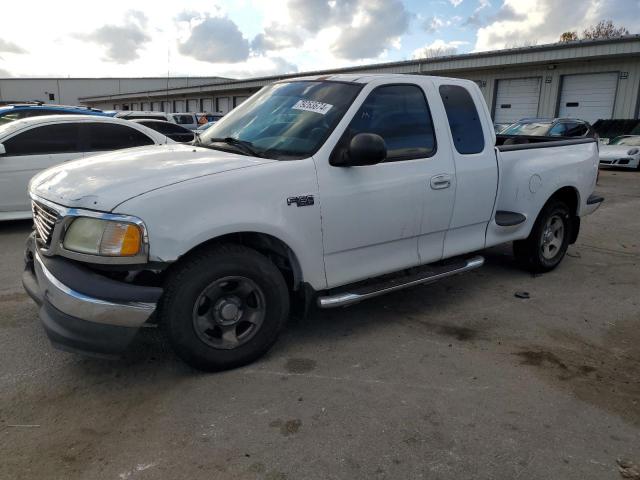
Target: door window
(105, 136)
(464, 121)
(400, 115)
(48, 139)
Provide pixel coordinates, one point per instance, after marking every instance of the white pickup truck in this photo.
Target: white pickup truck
(329, 189)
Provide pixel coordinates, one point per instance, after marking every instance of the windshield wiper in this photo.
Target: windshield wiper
(244, 145)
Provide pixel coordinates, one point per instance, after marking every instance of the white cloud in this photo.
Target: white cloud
(375, 26)
(10, 47)
(213, 39)
(455, 3)
(543, 21)
(122, 42)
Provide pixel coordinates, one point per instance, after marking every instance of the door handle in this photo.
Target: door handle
(438, 182)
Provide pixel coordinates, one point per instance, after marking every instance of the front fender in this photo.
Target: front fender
(182, 216)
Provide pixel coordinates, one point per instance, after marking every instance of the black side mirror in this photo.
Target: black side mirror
(364, 149)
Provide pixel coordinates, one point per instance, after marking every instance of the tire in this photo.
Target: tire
(548, 241)
(224, 307)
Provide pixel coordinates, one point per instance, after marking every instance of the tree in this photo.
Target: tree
(569, 37)
(434, 52)
(604, 29)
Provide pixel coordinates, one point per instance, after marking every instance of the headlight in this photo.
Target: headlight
(109, 238)
(633, 151)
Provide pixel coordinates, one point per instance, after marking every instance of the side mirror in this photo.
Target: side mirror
(364, 149)
(3, 150)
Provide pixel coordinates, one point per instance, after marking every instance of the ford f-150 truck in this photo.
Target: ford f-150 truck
(329, 189)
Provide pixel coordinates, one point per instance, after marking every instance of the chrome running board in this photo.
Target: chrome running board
(433, 274)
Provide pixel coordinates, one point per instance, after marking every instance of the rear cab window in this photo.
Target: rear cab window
(464, 121)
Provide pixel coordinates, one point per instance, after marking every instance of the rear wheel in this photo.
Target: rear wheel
(224, 307)
(547, 244)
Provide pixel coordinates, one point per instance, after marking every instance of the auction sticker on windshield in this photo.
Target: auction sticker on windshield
(312, 106)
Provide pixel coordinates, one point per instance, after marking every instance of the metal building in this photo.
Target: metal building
(592, 79)
(67, 91)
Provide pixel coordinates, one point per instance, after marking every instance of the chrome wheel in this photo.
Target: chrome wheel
(229, 312)
(552, 237)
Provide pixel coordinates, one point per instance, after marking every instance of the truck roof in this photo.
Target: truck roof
(365, 77)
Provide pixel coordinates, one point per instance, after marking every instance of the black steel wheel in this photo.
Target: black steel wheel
(224, 307)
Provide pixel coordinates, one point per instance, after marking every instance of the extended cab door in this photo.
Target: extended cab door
(373, 216)
(472, 144)
(27, 153)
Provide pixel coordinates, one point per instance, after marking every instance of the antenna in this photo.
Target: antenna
(168, 64)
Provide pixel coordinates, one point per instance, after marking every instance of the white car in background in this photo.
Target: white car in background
(623, 152)
(33, 144)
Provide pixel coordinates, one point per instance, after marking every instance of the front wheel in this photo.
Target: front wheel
(548, 241)
(224, 307)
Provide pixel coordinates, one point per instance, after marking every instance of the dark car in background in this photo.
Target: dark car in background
(175, 132)
(550, 127)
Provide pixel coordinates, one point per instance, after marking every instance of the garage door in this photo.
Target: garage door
(223, 104)
(238, 100)
(517, 98)
(193, 105)
(179, 106)
(588, 97)
(207, 105)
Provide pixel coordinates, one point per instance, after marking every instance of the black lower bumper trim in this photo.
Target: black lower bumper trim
(593, 199)
(79, 336)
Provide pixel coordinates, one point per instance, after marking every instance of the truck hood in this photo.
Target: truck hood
(612, 152)
(101, 182)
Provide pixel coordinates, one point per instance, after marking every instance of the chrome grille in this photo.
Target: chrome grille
(44, 219)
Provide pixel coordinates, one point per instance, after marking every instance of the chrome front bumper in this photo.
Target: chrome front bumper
(79, 305)
(81, 321)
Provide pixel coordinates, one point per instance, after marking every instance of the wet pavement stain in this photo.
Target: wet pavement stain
(300, 365)
(605, 375)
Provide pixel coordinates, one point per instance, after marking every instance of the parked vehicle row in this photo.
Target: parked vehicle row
(330, 189)
(623, 152)
(192, 121)
(33, 144)
(550, 127)
(9, 113)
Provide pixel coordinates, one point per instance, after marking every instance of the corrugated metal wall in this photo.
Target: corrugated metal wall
(67, 91)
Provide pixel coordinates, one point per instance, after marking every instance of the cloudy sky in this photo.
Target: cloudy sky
(241, 38)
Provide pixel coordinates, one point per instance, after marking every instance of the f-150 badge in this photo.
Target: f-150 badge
(302, 201)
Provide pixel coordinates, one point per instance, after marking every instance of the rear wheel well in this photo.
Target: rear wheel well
(272, 247)
(570, 197)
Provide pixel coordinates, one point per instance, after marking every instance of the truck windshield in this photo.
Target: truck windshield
(284, 121)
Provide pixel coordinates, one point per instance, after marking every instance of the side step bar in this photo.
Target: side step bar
(433, 274)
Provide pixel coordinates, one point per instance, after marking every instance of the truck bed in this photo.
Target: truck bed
(532, 171)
